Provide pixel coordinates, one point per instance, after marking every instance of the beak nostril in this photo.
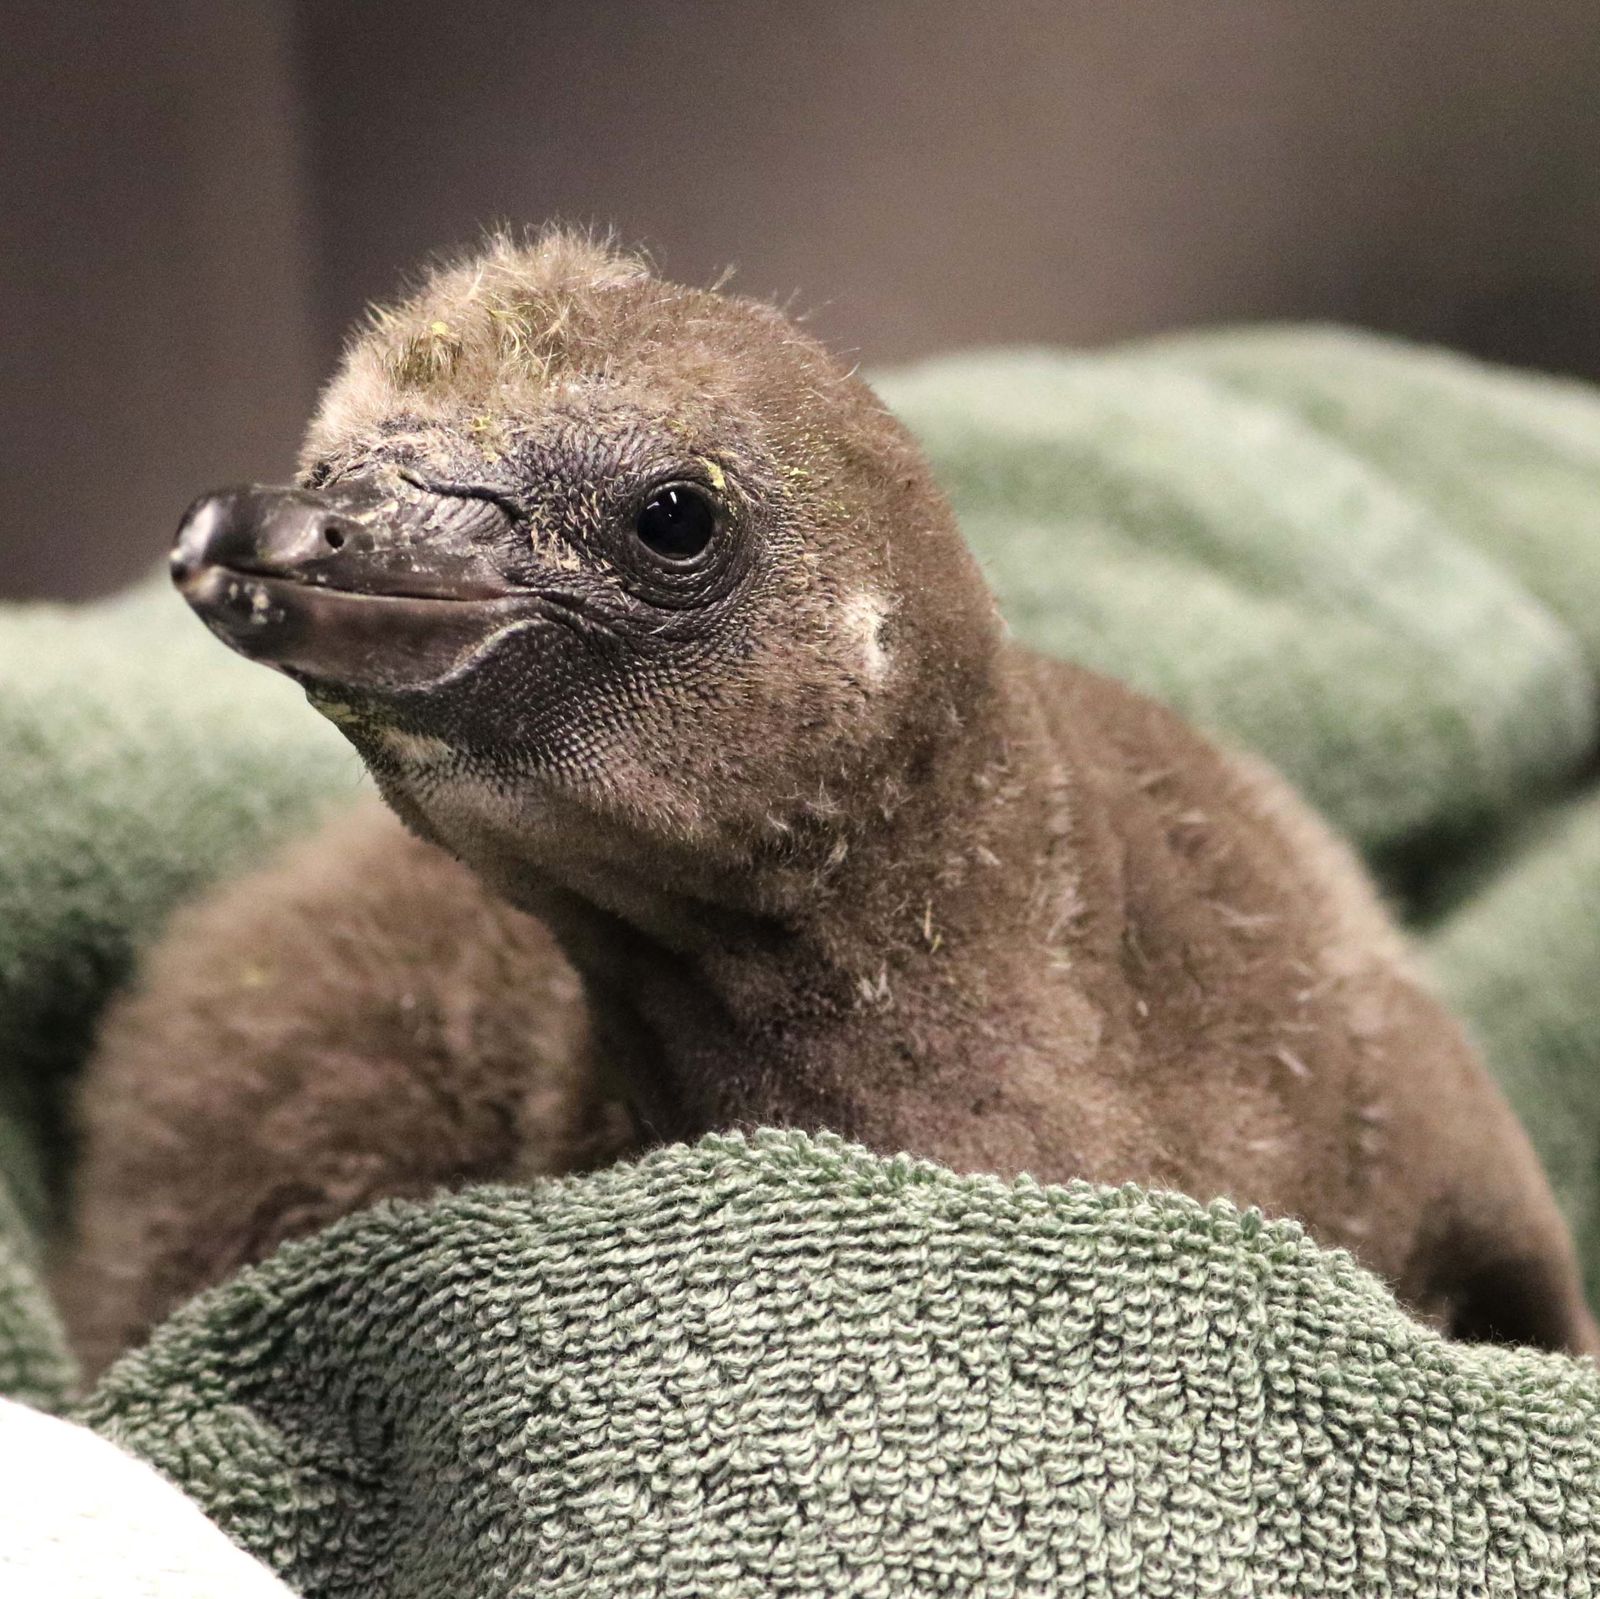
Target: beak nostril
(333, 537)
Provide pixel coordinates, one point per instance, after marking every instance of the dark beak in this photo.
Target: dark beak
(353, 586)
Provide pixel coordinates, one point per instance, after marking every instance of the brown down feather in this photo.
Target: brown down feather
(869, 866)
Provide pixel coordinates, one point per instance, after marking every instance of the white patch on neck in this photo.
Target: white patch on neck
(415, 749)
(864, 615)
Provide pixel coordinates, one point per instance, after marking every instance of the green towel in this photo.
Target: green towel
(1376, 565)
(1519, 961)
(35, 1366)
(1506, 459)
(788, 1367)
(138, 760)
(1276, 584)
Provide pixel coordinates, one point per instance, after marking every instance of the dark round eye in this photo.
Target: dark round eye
(676, 522)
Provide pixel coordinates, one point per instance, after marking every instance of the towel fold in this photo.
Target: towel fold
(785, 1366)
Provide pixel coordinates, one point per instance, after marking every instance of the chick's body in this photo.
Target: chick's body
(736, 731)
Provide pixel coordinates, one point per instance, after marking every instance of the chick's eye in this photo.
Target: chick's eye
(676, 522)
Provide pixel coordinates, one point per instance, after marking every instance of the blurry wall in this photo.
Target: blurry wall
(197, 198)
(155, 329)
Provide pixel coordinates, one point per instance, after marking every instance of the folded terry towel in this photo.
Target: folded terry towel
(784, 1366)
(788, 1367)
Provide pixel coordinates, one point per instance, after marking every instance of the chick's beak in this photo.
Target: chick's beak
(352, 586)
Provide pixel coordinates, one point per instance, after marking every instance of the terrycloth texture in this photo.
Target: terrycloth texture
(786, 1367)
(1283, 534)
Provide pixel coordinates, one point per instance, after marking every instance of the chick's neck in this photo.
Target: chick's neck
(814, 985)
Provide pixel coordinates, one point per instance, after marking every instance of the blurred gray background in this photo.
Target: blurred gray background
(197, 196)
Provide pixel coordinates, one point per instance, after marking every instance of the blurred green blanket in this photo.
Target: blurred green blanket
(784, 1366)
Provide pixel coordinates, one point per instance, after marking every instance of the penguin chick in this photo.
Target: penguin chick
(358, 1019)
(639, 604)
